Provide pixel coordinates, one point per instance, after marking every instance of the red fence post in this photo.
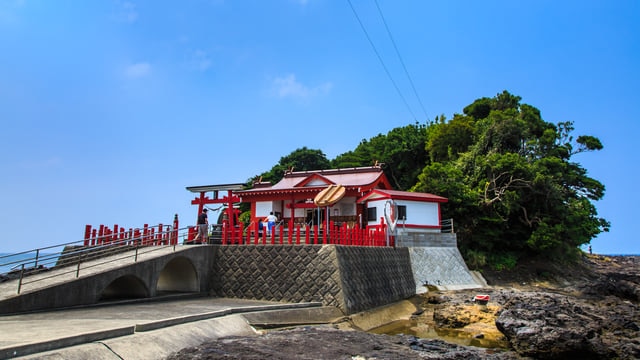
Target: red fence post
(87, 234)
(272, 235)
(113, 234)
(145, 233)
(100, 235)
(316, 229)
(225, 226)
(174, 233)
(191, 234)
(152, 236)
(291, 226)
(325, 231)
(256, 233)
(307, 234)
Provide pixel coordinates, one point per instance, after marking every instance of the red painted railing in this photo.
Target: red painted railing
(147, 235)
(298, 234)
(292, 234)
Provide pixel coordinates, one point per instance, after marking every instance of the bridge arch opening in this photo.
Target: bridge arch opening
(124, 287)
(179, 275)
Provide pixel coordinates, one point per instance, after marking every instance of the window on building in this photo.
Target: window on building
(372, 214)
(402, 212)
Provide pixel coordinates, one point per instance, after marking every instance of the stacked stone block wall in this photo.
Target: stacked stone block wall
(350, 278)
(426, 239)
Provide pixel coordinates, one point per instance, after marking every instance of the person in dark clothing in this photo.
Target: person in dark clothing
(203, 225)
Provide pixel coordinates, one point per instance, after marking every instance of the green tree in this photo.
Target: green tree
(401, 153)
(511, 184)
(302, 159)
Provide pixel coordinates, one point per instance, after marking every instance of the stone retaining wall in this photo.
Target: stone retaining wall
(426, 239)
(348, 277)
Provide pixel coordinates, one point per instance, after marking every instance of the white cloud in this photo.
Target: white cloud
(200, 60)
(288, 86)
(138, 70)
(126, 12)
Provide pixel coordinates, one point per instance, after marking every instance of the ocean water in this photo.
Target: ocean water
(8, 261)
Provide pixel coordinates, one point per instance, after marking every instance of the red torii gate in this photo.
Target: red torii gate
(228, 199)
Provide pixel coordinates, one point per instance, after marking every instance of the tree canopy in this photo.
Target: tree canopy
(303, 159)
(512, 186)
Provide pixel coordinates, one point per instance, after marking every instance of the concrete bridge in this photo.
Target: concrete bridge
(351, 278)
(136, 274)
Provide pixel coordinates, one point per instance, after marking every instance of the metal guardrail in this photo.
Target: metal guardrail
(446, 226)
(22, 266)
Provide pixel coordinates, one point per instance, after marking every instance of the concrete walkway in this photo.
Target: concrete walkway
(149, 330)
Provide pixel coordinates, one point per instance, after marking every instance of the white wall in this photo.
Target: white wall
(418, 213)
(263, 208)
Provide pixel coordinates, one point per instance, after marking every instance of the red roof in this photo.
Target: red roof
(401, 195)
(358, 179)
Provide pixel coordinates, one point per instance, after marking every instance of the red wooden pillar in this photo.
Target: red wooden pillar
(230, 217)
(316, 228)
(87, 234)
(291, 229)
(191, 234)
(225, 225)
(114, 237)
(145, 234)
(100, 235)
(307, 234)
(272, 235)
(256, 233)
(298, 234)
(137, 239)
(174, 233)
(201, 202)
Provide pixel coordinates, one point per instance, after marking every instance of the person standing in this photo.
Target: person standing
(271, 221)
(203, 227)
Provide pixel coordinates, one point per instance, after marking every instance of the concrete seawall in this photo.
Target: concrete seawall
(350, 278)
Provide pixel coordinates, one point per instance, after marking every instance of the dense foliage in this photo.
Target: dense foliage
(513, 190)
(303, 159)
(512, 187)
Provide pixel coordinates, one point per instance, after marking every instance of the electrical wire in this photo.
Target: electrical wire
(381, 61)
(415, 92)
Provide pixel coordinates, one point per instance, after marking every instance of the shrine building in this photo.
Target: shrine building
(357, 197)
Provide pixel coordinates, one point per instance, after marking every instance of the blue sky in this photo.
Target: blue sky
(109, 109)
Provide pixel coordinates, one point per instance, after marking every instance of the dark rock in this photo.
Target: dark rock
(546, 326)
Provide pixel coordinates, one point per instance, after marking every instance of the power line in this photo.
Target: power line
(381, 61)
(415, 92)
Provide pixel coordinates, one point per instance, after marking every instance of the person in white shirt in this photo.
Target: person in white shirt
(271, 221)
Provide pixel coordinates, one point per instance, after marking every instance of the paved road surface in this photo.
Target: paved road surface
(148, 330)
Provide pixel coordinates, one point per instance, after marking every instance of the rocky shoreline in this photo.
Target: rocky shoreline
(588, 310)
